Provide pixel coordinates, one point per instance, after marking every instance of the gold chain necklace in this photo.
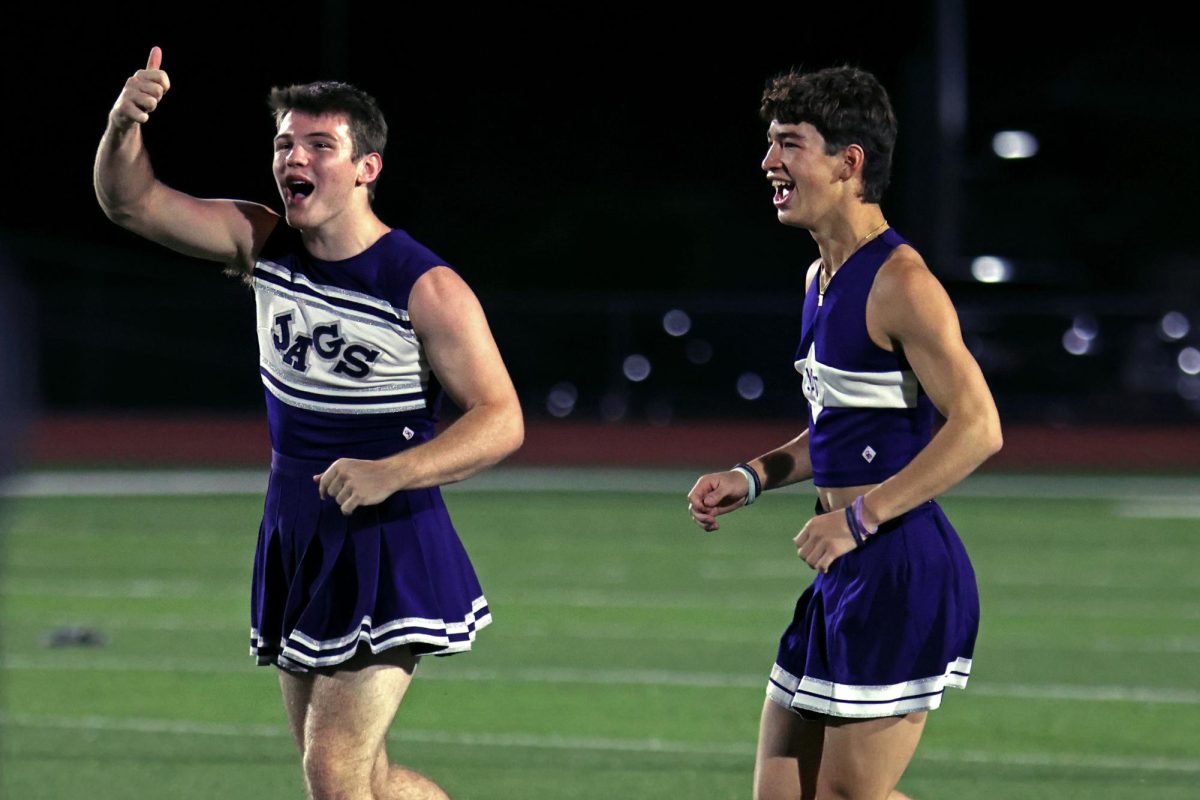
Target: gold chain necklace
(823, 277)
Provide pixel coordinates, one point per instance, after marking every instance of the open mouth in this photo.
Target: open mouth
(298, 190)
(783, 191)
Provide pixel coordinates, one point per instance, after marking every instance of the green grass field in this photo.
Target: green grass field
(628, 655)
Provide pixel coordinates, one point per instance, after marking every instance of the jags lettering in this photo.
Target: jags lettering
(810, 383)
(283, 334)
(327, 341)
(296, 356)
(353, 360)
(356, 361)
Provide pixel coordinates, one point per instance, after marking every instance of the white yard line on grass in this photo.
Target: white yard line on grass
(1120, 763)
(1151, 494)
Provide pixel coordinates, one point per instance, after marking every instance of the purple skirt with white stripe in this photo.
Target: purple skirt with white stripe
(887, 629)
(326, 585)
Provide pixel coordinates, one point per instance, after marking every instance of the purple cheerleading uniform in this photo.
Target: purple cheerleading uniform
(893, 622)
(346, 377)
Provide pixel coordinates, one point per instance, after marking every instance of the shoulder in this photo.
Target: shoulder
(442, 305)
(904, 281)
(907, 302)
(439, 286)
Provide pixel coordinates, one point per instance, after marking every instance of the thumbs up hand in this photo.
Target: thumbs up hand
(142, 93)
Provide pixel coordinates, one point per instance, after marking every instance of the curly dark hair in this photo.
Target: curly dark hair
(847, 106)
(368, 129)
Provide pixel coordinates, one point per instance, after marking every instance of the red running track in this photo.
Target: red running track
(242, 441)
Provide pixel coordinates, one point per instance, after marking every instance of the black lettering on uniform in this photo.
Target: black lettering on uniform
(297, 355)
(282, 337)
(356, 361)
(326, 340)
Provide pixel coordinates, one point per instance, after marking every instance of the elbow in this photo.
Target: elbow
(123, 214)
(120, 216)
(514, 431)
(991, 437)
(995, 443)
(505, 432)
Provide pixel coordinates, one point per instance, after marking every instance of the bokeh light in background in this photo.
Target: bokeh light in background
(1189, 360)
(991, 269)
(560, 402)
(749, 386)
(677, 323)
(1011, 145)
(636, 368)
(1174, 326)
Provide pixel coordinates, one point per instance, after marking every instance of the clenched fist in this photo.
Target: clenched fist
(354, 483)
(142, 93)
(714, 494)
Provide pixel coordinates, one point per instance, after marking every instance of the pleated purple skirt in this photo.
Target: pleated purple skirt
(887, 629)
(327, 586)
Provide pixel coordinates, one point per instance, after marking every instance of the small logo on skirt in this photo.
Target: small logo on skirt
(868, 454)
(408, 433)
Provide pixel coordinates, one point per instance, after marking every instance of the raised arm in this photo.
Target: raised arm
(463, 355)
(228, 231)
(908, 307)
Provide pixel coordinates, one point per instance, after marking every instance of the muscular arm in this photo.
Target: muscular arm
(908, 308)
(463, 355)
(228, 231)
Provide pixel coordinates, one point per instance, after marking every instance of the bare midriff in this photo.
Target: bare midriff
(842, 496)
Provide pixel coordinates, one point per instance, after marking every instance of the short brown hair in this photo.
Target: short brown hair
(368, 129)
(847, 106)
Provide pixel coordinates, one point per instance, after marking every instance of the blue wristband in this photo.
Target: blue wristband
(853, 525)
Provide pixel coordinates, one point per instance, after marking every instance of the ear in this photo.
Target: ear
(369, 167)
(853, 160)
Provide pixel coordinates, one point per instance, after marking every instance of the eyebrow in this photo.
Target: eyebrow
(313, 135)
(781, 135)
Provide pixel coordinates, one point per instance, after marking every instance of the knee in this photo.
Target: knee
(333, 773)
(777, 786)
(837, 790)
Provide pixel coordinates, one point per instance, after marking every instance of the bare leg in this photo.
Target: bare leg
(789, 755)
(832, 758)
(394, 782)
(865, 758)
(339, 719)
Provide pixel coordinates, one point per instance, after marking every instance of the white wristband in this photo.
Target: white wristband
(752, 482)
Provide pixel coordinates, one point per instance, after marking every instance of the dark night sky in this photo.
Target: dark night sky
(614, 150)
(600, 152)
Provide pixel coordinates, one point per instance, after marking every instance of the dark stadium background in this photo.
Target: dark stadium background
(589, 172)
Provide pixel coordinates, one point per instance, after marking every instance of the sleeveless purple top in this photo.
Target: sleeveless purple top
(868, 416)
(344, 374)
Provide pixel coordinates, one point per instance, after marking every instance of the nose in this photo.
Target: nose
(771, 159)
(296, 155)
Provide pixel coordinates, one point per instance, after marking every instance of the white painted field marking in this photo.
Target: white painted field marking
(1118, 763)
(134, 483)
(140, 588)
(1160, 508)
(610, 677)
